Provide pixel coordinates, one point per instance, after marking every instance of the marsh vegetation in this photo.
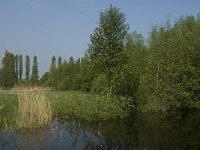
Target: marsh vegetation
(34, 108)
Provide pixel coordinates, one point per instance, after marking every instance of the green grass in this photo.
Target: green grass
(8, 109)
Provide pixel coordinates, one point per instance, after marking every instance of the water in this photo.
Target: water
(180, 131)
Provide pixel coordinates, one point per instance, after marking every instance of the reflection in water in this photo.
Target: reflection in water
(143, 132)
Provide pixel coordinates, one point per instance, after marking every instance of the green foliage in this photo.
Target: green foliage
(157, 74)
(171, 77)
(100, 85)
(34, 76)
(126, 83)
(27, 67)
(59, 72)
(8, 109)
(78, 81)
(108, 42)
(53, 73)
(44, 79)
(8, 70)
(20, 66)
(16, 68)
(84, 106)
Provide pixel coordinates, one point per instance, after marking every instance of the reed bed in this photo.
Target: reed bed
(34, 109)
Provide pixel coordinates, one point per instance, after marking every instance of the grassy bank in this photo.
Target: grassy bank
(69, 105)
(8, 108)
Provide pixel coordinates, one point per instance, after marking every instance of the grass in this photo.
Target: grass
(8, 109)
(34, 109)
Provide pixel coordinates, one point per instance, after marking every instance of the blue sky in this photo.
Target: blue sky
(62, 27)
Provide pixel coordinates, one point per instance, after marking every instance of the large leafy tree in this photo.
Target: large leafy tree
(106, 50)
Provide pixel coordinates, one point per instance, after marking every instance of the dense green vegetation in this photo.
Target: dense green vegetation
(122, 70)
(8, 109)
(86, 106)
(66, 105)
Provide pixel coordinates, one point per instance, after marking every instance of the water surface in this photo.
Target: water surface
(179, 131)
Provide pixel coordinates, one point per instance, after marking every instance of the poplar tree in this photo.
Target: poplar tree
(52, 72)
(27, 67)
(20, 66)
(34, 76)
(59, 68)
(8, 70)
(16, 68)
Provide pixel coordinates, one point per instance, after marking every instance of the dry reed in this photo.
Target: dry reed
(34, 109)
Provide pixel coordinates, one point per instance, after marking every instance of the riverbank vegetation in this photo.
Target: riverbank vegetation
(34, 108)
(121, 71)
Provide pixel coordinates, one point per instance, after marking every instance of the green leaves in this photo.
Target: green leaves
(8, 76)
(34, 76)
(27, 67)
(108, 42)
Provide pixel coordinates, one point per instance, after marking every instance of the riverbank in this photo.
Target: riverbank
(79, 105)
(71, 105)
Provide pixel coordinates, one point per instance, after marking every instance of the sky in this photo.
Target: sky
(47, 28)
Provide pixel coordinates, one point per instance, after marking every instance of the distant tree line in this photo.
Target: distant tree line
(158, 73)
(11, 71)
(72, 75)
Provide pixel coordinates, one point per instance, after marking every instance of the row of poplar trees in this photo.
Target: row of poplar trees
(11, 72)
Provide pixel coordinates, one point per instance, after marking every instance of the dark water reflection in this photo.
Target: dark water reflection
(179, 131)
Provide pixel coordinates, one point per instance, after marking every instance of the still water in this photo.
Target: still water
(179, 131)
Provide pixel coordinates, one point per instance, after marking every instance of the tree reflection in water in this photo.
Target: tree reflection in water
(180, 131)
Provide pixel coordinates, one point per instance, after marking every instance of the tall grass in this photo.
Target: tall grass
(34, 110)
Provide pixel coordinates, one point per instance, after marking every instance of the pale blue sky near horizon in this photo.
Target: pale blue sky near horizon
(47, 28)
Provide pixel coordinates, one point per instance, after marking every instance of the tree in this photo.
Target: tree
(84, 78)
(34, 76)
(136, 70)
(20, 66)
(16, 68)
(44, 78)
(27, 67)
(8, 70)
(71, 72)
(52, 72)
(59, 68)
(171, 76)
(1, 78)
(107, 47)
